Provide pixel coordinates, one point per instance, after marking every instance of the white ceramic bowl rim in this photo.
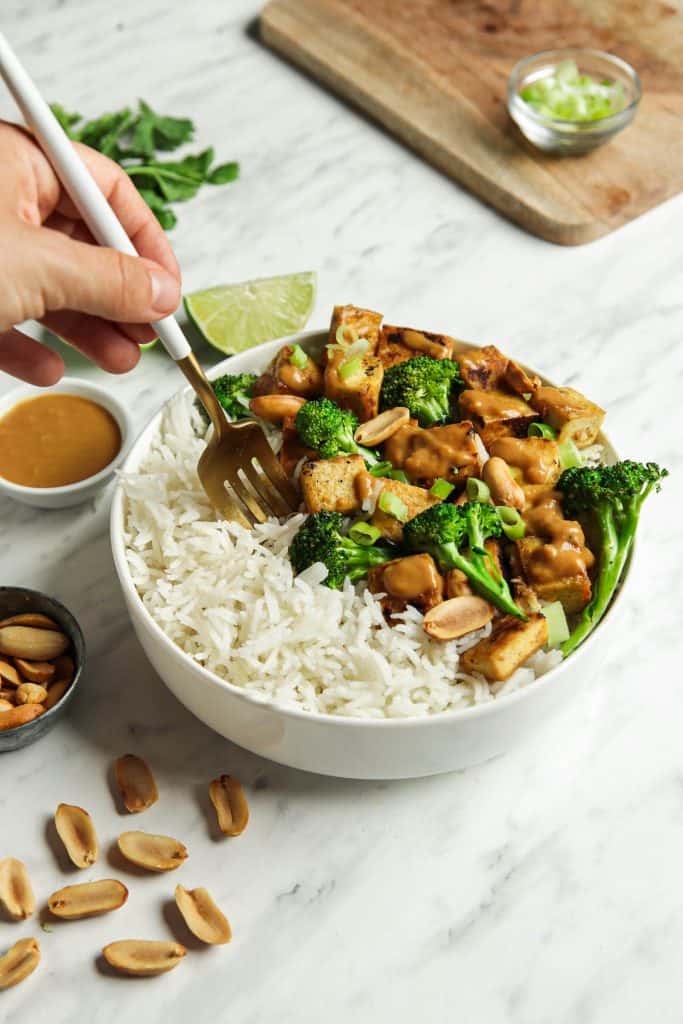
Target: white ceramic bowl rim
(86, 389)
(342, 721)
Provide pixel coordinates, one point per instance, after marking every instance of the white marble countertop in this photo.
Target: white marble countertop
(542, 887)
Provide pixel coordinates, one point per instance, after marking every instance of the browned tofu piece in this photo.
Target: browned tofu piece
(398, 344)
(496, 414)
(556, 572)
(292, 450)
(518, 380)
(330, 484)
(572, 416)
(416, 500)
(360, 393)
(284, 378)
(537, 458)
(365, 322)
(482, 369)
(510, 643)
(414, 580)
(425, 455)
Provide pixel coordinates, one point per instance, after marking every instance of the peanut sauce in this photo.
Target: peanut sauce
(426, 455)
(411, 577)
(56, 439)
(490, 406)
(537, 457)
(564, 553)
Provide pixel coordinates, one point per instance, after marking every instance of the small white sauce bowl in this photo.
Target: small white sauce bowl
(82, 490)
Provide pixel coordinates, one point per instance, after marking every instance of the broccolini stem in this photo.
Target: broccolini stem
(481, 579)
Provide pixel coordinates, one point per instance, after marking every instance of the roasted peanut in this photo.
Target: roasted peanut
(64, 669)
(55, 694)
(232, 810)
(30, 619)
(202, 916)
(32, 643)
(504, 489)
(31, 693)
(456, 617)
(88, 899)
(5, 705)
(155, 853)
(381, 427)
(76, 830)
(136, 783)
(35, 671)
(16, 894)
(18, 962)
(9, 674)
(20, 715)
(276, 408)
(140, 957)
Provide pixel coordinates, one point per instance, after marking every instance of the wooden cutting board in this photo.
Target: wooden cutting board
(435, 73)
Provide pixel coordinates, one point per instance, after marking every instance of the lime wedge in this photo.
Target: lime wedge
(235, 317)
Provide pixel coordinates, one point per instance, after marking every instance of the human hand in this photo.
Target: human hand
(51, 270)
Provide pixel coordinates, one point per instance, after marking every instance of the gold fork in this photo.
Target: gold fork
(237, 454)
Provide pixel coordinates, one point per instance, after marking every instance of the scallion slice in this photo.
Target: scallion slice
(570, 455)
(512, 522)
(476, 489)
(298, 358)
(393, 506)
(350, 368)
(381, 469)
(541, 430)
(364, 534)
(441, 488)
(346, 335)
(558, 630)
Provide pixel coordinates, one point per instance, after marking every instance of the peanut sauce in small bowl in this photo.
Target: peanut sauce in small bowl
(59, 447)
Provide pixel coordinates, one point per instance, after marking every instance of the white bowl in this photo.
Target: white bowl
(82, 490)
(328, 744)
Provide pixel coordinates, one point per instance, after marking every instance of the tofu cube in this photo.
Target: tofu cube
(413, 580)
(510, 643)
(544, 568)
(569, 413)
(416, 500)
(482, 369)
(359, 393)
(537, 458)
(398, 344)
(449, 452)
(330, 484)
(365, 322)
(496, 414)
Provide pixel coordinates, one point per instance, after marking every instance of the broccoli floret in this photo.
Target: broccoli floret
(454, 535)
(233, 391)
(612, 498)
(422, 384)
(322, 425)
(319, 539)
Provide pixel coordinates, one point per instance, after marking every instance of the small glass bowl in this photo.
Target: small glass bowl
(569, 137)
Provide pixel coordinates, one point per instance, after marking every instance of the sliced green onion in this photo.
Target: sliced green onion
(358, 348)
(346, 335)
(570, 455)
(398, 474)
(298, 358)
(393, 506)
(477, 490)
(512, 522)
(381, 469)
(558, 630)
(568, 95)
(351, 368)
(364, 534)
(541, 430)
(441, 488)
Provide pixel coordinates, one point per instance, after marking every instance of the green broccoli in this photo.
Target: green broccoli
(454, 535)
(319, 539)
(612, 498)
(233, 391)
(322, 425)
(422, 384)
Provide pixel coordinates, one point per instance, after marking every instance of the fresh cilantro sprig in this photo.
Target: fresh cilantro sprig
(133, 138)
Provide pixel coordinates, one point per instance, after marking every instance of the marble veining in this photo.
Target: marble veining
(542, 888)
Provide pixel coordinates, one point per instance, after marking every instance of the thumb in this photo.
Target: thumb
(103, 282)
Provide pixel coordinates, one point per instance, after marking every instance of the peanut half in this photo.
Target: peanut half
(136, 783)
(18, 962)
(456, 617)
(6, 705)
(55, 694)
(88, 899)
(232, 810)
(142, 958)
(31, 643)
(202, 916)
(9, 674)
(380, 428)
(276, 408)
(16, 894)
(76, 830)
(64, 670)
(154, 853)
(35, 671)
(20, 716)
(30, 619)
(504, 488)
(30, 693)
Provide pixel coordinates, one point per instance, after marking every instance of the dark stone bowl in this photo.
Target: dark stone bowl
(14, 601)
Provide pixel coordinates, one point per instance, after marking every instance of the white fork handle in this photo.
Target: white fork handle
(77, 180)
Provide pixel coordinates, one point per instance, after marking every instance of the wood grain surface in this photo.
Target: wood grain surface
(434, 72)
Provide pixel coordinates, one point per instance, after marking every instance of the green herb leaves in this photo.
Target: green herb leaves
(133, 138)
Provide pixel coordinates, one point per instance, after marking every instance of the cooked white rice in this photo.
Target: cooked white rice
(228, 598)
